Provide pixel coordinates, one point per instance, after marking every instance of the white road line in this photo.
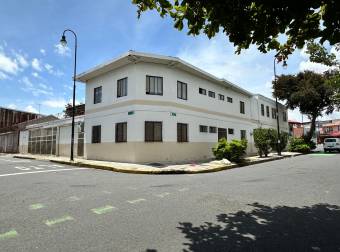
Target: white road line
(183, 189)
(15, 161)
(135, 201)
(23, 173)
(162, 195)
(73, 198)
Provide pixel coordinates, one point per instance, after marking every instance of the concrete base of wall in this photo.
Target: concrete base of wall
(141, 152)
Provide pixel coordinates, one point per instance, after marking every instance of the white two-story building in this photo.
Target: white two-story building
(149, 108)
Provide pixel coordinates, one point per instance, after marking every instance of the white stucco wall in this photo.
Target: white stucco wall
(196, 110)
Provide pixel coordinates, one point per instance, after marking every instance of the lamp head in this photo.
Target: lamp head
(63, 41)
(284, 65)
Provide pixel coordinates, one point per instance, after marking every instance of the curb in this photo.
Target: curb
(22, 157)
(158, 172)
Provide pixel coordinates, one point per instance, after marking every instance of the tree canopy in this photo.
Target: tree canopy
(255, 22)
(308, 91)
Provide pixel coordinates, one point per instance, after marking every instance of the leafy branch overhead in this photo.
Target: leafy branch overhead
(255, 22)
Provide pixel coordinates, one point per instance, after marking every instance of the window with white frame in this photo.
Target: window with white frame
(182, 90)
(153, 131)
(202, 91)
(122, 87)
(182, 132)
(211, 94)
(121, 132)
(242, 109)
(154, 85)
(96, 133)
(97, 95)
(243, 134)
(203, 128)
(262, 109)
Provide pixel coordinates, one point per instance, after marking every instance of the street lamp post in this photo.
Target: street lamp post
(64, 43)
(277, 108)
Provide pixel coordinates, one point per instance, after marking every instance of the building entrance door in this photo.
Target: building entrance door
(222, 133)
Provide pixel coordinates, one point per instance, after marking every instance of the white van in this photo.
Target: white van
(331, 144)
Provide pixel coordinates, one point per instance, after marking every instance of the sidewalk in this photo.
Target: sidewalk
(187, 168)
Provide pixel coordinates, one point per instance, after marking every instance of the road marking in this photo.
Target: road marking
(136, 201)
(23, 173)
(14, 161)
(103, 210)
(9, 234)
(132, 188)
(73, 198)
(183, 189)
(59, 220)
(323, 154)
(37, 206)
(162, 195)
(107, 192)
(22, 168)
(38, 167)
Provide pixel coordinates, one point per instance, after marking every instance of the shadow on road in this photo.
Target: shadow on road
(265, 228)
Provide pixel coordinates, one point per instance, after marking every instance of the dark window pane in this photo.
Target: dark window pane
(212, 94)
(96, 134)
(229, 99)
(121, 132)
(203, 128)
(222, 133)
(212, 129)
(122, 87)
(97, 95)
(230, 131)
(182, 132)
(242, 111)
(153, 131)
(154, 85)
(243, 134)
(202, 91)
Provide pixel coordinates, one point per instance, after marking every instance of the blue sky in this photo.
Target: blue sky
(36, 72)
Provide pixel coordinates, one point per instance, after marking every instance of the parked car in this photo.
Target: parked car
(331, 144)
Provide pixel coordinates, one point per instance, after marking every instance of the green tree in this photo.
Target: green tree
(254, 22)
(320, 54)
(308, 91)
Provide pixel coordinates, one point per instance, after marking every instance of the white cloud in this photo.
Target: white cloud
(21, 60)
(55, 103)
(50, 70)
(36, 89)
(42, 51)
(36, 75)
(3, 76)
(8, 65)
(31, 109)
(312, 66)
(12, 106)
(36, 64)
(62, 50)
(48, 67)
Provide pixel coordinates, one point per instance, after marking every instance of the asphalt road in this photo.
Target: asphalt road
(285, 205)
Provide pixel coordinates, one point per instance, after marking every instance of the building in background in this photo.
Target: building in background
(9, 140)
(10, 117)
(323, 129)
(53, 137)
(151, 108)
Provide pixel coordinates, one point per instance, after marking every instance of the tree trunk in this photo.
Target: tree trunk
(309, 135)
